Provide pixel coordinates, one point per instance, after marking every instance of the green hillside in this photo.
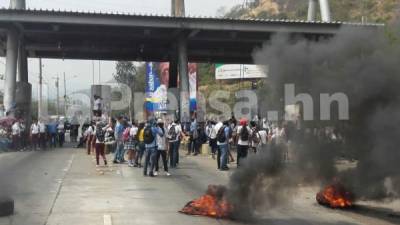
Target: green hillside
(386, 11)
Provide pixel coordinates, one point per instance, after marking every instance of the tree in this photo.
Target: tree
(125, 74)
(133, 76)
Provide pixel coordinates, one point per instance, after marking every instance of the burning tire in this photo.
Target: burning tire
(6, 206)
(335, 196)
(212, 204)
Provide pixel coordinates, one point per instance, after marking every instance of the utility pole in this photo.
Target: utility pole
(65, 96)
(99, 73)
(93, 70)
(58, 96)
(178, 8)
(40, 102)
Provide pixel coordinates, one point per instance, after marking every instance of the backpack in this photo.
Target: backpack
(244, 134)
(195, 134)
(255, 137)
(100, 135)
(126, 134)
(221, 135)
(202, 136)
(172, 133)
(148, 135)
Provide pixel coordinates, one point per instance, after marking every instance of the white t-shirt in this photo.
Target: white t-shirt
(22, 127)
(97, 104)
(89, 131)
(133, 131)
(263, 136)
(211, 132)
(280, 135)
(217, 127)
(42, 127)
(34, 129)
(15, 129)
(240, 141)
(161, 144)
(178, 131)
(60, 127)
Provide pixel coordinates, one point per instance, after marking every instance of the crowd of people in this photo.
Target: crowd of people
(39, 135)
(144, 144)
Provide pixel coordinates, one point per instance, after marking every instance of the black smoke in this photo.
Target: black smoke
(364, 64)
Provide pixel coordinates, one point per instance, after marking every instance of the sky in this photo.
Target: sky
(79, 73)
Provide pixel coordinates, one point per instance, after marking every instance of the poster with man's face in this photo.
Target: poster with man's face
(157, 80)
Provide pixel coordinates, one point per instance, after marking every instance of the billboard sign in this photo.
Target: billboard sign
(156, 91)
(239, 71)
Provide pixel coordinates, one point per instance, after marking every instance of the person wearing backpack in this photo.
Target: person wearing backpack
(161, 149)
(140, 148)
(130, 141)
(100, 135)
(223, 145)
(243, 140)
(255, 137)
(150, 139)
(212, 137)
(174, 136)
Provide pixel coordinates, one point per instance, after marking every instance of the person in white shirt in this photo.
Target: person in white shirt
(16, 134)
(264, 137)
(212, 137)
(61, 133)
(161, 149)
(174, 135)
(100, 135)
(255, 137)
(42, 134)
(243, 140)
(34, 135)
(222, 130)
(98, 105)
(89, 133)
(130, 143)
(280, 141)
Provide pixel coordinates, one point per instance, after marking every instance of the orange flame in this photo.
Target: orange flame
(209, 205)
(335, 196)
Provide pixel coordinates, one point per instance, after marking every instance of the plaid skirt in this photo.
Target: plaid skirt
(130, 145)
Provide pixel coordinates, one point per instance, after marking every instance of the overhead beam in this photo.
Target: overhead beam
(7, 16)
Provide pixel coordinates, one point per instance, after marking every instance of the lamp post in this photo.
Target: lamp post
(65, 94)
(58, 95)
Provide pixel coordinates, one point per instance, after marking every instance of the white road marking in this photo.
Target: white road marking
(107, 220)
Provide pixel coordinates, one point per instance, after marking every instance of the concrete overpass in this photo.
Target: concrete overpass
(115, 36)
(108, 36)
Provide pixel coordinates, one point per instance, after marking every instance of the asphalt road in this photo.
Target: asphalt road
(63, 187)
(33, 180)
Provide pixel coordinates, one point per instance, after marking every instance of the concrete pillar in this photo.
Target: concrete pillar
(22, 62)
(11, 70)
(173, 8)
(179, 7)
(325, 10)
(17, 4)
(183, 77)
(312, 10)
(23, 97)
